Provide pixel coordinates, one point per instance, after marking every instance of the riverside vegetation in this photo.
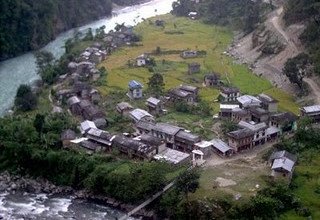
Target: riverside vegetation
(118, 177)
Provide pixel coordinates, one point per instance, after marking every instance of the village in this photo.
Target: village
(257, 118)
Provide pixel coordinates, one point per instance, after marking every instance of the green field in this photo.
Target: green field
(196, 36)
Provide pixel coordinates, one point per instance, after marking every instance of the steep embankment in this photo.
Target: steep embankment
(268, 48)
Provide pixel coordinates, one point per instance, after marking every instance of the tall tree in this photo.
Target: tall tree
(297, 68)
(188, 182)
(156, 84)
(38, 123)
(25, 99)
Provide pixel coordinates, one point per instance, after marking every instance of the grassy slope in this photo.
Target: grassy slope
(197, 36)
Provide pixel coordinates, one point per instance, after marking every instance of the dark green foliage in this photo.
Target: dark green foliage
(38, 123)
(182, 7)
(228, 126)
(188, 182)
(22, 149)
(202, 108)
(25, 99)
(156, 84)
(29, 24)
(297, 68)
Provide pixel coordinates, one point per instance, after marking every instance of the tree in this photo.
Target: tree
(156, 84)
(38, 123)
(297, 68)
(25, 100)
(46, 66)
(188, 182)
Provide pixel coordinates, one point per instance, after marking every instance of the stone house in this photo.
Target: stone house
(140, 115)
(100, 137)
(92, 112)
(248, 101)
(205, 147)
(241, 139)
(179, 95)
(259, 115)
(86, 125)
(239, 114)
(285, 121)
(282, 164)
(133, 148)
(66, 136)
(193, 68)
(229, 94)
(144, 127)
(135, 90)
(268, 103)
(152, 141)
(211, 79)
(74, 105)
(221, 148)
(154, 106)
(312, 112)
(226, 110)
(142, 60)
(258, 129)
(185, 141)
(94, 96)
(124, 108)
(165, 132)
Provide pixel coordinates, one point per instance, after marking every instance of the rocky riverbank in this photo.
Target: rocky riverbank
(16, 183)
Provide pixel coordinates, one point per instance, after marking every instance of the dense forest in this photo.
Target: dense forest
(29, 24)
(307, 11)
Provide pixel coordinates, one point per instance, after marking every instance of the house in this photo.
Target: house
(259, 130)
(282, 164)
(221, 148)
(100, 137)
(205, 147)
(100, 122)
(272, 133)
(211, 79)
(66, 136)
(226, 110)
(64, 94)
(173, 157)
(78, 87)
(90, 147)
(165, 132)
(185, 140)
(154, 106)
(133, 148)
(268, 103)
(135, 90)
(180, 95)
(124, 108)
(247, 101)
(285, 121)
(239, 114)
(189, 54)
(74, 105)
(150, 140)
(144, 127)
(229, 94)
(140, 114)
(142, 60)
(259, 114)
(240, 139)
(92, 112)
(312, 112)
(95, 96)
(193, 68)
(86, 125)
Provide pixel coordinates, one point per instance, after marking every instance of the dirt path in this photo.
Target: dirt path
(315, 89)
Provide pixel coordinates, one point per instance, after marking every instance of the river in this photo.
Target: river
(22, 69)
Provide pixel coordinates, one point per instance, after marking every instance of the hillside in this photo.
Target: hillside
(29, 24)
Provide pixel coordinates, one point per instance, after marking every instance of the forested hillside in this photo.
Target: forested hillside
(29, 24)
(307, 11)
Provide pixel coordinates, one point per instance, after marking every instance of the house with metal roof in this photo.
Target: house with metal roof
(135, 89)
(140, 114)
(247, 101)
(221, 148)
(154, 105)
(312, 112)
(285, 121)
(166, 132)
(173, 156)
(226, 110)
(124, 108)
(86, 125)
(268, 103)
(259, 130)
(239, 114)
(185, 141)
(282, 164)
(241, 139)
